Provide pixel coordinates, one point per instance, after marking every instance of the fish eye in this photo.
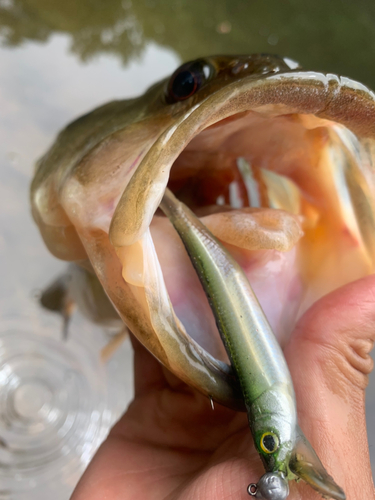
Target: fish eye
(269, 442)
(187, 80)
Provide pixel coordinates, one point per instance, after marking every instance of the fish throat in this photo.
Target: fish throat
(277, 191)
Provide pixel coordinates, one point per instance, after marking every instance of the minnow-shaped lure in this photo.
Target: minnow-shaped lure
(258, 362)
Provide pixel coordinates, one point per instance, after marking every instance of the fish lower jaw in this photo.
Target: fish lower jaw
(290, 261)
(278, 193)
(272, 273)
(293, 246)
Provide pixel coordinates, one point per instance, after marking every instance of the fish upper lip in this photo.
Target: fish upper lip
(284, 90)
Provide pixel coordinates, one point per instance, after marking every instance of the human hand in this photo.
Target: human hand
(170, 444)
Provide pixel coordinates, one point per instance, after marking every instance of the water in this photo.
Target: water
(59, 60)
(57, 400)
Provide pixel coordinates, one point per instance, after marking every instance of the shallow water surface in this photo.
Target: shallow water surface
(59, 60)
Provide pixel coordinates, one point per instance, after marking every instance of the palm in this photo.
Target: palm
(171, 445)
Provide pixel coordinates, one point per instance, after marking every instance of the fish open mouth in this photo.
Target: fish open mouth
(253, 209)
(280, 171)
(269, 188)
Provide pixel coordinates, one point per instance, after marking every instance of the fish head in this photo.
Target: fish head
(278, 163)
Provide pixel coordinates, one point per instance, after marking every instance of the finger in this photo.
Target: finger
(328, 356)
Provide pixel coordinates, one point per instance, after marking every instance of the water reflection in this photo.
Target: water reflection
(42, 88)
(336, 36)
(60, 59)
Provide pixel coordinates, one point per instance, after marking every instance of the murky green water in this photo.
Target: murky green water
(337, 36)
(59, 59)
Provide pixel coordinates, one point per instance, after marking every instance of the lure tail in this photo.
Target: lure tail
(305, 464)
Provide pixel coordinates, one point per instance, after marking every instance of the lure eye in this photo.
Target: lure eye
(269, 442)
(187, 80)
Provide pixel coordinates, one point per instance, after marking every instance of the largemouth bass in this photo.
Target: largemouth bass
(276, 161)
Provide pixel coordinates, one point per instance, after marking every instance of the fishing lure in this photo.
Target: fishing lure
(257, 360)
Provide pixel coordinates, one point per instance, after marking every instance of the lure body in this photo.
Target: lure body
(253, 350)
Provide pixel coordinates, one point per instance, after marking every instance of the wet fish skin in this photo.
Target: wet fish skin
(95, 191)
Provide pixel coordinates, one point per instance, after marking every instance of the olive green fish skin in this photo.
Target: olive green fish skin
(252, 347)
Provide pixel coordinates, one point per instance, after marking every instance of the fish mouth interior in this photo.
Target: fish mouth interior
(271, 188)
(288, 191)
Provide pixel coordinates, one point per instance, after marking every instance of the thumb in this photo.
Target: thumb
(328, 356)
